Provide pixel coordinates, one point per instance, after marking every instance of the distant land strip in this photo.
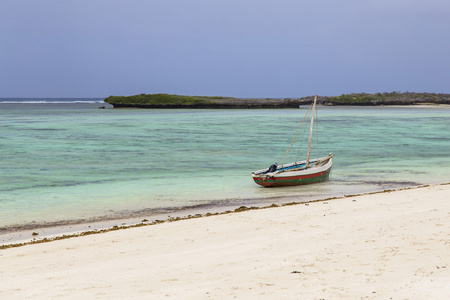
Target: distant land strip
(360, 99)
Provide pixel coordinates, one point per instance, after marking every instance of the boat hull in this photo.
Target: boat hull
(288, 178)
(292, 180)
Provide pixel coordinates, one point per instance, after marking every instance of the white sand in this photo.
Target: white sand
(381, 246)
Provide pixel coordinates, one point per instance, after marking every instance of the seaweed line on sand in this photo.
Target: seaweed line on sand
(173, 219)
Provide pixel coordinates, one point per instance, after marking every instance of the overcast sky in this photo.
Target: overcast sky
(240, 48)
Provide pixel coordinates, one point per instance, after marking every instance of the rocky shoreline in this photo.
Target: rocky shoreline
(360, 99)
(222, 104)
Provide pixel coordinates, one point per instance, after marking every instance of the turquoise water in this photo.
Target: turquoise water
(73, 161)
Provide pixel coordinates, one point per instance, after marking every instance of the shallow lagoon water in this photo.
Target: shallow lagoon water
(62, 162)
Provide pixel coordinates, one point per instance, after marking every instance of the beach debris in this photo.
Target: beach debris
(155, 222)
(242, 208)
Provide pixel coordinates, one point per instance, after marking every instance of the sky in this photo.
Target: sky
(237, 48)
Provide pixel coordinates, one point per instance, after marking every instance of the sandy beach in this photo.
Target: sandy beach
(391, 245)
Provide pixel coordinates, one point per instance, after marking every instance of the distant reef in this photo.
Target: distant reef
(360, 99)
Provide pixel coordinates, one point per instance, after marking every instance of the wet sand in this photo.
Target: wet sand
(379, 246)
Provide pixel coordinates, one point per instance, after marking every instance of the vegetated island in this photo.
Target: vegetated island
(361, 99)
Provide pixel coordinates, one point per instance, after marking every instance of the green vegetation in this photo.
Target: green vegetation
(180, 101)
(160, 100)
(394, 98)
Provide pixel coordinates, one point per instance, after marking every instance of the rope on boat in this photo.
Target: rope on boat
(300, 148)
(304, 118)
(317, 133)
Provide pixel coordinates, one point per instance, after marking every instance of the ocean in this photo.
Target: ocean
(66, 161)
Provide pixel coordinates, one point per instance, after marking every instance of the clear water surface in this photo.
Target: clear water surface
(61, 162)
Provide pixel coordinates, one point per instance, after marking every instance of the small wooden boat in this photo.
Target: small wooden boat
(297, 173)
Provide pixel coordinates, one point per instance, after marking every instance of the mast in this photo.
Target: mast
(311, 131)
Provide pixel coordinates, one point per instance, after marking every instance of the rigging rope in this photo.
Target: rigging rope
(307, 113)
(301, 142)
(317, 134)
